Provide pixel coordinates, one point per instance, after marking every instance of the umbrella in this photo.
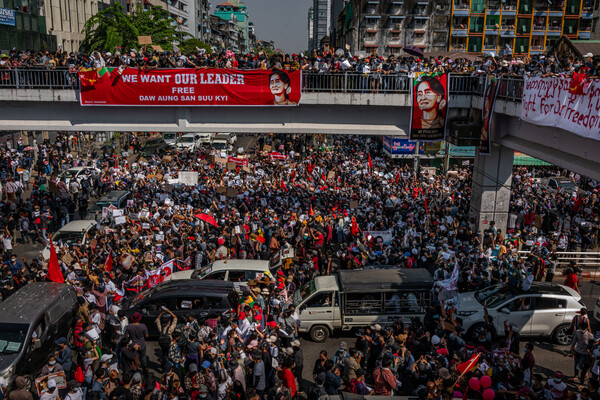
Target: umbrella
(207, 218)
(413, 51)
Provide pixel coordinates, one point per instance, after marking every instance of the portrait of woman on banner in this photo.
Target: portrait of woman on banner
(430, 99)
(280, 85)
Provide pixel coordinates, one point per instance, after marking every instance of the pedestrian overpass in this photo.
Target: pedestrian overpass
(332, 103)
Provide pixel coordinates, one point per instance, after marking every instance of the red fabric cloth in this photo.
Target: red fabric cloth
(288, 380)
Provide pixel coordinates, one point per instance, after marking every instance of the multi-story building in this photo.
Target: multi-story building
(65, 19)
(321, 21)
(386, 26)
(224, 34)
(23, 26)
(518, 27)
(237, 12)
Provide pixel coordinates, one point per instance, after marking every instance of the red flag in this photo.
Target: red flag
(207, 218)
(426, 206)
(54, 272)
(108, 264)
(468, 365)
(323, 177)
(261, 239)
(354, 227)
(88, 78)
(311, 212)
(370, 162)
(283, 187)
(577, 83)
(309, 168)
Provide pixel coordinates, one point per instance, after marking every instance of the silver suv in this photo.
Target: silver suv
(545, 310)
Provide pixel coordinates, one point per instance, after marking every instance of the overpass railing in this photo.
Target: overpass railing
(511, 88)
(584, 259)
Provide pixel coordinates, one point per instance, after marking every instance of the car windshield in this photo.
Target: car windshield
(68, 238)
(219, 145)
(201, 273)
(12, 337)
(153, 144)
(98, 206)
(495, 295)
(70, 173)
(187, 139)
(169, 136)
(566, 185)
(306, 290)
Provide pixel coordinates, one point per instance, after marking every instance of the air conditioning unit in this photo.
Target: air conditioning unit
(397, 26)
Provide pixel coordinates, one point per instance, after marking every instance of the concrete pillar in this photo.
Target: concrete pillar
(490, 196)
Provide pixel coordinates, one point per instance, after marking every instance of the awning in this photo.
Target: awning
(525, 160)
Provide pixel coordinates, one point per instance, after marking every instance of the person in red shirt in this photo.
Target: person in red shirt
(287, 376)
(571, 279)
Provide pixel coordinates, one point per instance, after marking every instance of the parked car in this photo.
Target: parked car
(31, 320)
(72, 233)
(199, 298)
(117, 198)
(545, 310)
(154, 145)
(171, 138)
(77, 173)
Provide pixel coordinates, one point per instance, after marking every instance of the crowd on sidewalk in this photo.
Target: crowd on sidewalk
(321, 200)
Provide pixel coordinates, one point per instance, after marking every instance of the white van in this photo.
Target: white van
(71, 233)
(354, 299)
(237, 271)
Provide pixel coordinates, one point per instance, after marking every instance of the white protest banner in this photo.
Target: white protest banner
(120, 220)
(189, 178)
(117, 213)
(563, 103)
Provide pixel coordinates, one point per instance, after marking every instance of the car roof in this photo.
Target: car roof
(189, 286)
(258, 265)
(113, 195)
(77, 226)
(384, 280)
(548, 288)
(24, 305)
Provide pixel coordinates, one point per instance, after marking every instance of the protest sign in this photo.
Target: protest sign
(563, 103)
(188, 178)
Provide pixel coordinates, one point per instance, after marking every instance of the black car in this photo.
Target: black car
(202, 299)
(31, 320)
(154, 146)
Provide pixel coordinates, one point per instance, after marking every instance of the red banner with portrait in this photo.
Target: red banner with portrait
(429, 107)
(189, 87)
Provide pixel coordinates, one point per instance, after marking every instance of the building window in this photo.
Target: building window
(476, 24)
(570, 27)
(475, 45)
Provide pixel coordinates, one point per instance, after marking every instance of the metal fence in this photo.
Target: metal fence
(511, 88)
(38, 79)
(587, 260)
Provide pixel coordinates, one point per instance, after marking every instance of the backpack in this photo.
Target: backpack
(80, 374)
(351, 386)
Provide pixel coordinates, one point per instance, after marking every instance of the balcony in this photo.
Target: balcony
(537, 48)
(491, 30)
(587, 13)
(509, 10)
(493, 9)
(490, 47)
(461, 9)
(458, 47)
(507, 31)
(460, 31)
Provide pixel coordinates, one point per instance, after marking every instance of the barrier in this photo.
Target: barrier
(511, 87)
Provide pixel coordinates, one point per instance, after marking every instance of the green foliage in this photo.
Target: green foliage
(189, 46)
(112, 27)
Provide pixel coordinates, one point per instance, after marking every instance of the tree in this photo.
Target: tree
(112, 27)
(189, 46)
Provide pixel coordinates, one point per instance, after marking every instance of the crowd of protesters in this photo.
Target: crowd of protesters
(374, 64)
(321, 200)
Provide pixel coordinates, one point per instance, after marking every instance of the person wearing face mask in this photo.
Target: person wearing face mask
(528, 363)
(51, 367)
(557, 387)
